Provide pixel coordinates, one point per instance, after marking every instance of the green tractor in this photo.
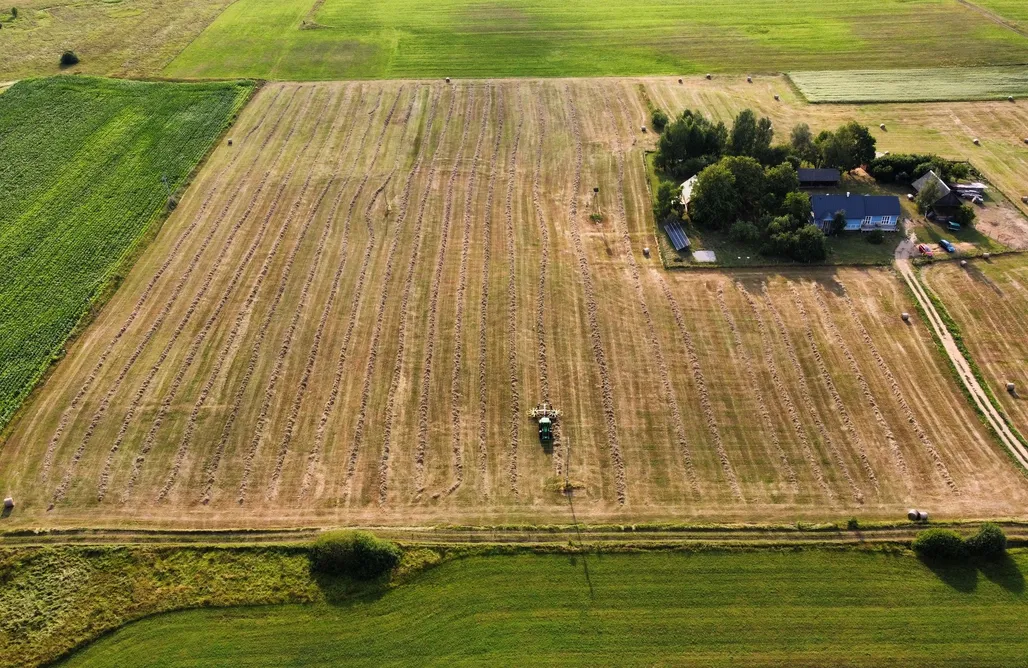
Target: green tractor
(545, 430)
(546, 415)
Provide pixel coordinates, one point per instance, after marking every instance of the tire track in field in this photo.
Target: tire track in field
(897, 393)
(194, 349)
(512, 306)
(337, 381)
(826, 377)
(776, 451)
(280, 458)
(808, 400)
(667, 389)
(151, 437)
(148, 291)
(599, 353)
(703, 392)
(61, 489)
(483, 317)
(458, 321)
(253, 449)
(865, 388)
(786, 398)
(433, 323)
(394, 383)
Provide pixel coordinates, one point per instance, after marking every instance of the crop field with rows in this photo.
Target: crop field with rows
(988, 300)
(80, 185)
(913, 85)
(353, 310)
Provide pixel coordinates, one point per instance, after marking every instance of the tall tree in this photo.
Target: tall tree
(802, 141)
(714, 201)
(690, 143)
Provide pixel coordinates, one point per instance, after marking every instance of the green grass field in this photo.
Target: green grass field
(1013, 11)
(337, 39)
(80, 185)
(913, 85)
(790, 607)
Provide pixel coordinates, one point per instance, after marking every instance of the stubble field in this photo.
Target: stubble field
(352, 312)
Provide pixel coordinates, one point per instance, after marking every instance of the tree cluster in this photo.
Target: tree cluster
(907, 167)
(358, 554)
(990, 543)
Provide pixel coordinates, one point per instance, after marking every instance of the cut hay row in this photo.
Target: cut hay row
(666, 387)
(229, 291)
(483, 317)
(897, 393)
(458, 320)
(849, 429)
(512, 308)
(783, 394)
(432, 330)
(591, 307)
(61, 489)
(865, 388)
(704, 394)
(776, 452)
(408, 282)
(807, 399)
(172, 256)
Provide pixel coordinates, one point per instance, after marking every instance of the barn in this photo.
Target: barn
(948, 201)
(818, 178)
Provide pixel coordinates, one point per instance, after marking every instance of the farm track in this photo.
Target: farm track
(456, 394)
(483, 318)
(591, 305)
(512, 309)
(808, 400)
(337, 381)
(433, 322)
(776, 452)
(897, 393)
(667, 389)
(60, 491)
(408, 282)
(152, 284)
(701, 387)
(849, 429)
(865, 388)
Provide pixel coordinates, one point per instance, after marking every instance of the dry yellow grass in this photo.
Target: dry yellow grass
(353, 309)
(989, 302)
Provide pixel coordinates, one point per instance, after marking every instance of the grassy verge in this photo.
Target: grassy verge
(695, 607)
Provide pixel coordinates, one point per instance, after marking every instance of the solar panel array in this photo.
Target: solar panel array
(677, 236)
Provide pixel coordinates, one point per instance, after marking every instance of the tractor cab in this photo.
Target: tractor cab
(545, 430)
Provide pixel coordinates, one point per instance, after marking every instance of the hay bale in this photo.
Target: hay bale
(777, 98)
(8, 503)
(1011, 388)
(447, 79)
(230, 141)
(986, 255)
(680, 81)
(922, 516)
(910, 197)
(646, 251)
(963, 263)
(709, 76)
(1024, 198)
(881, 125)
(1010, 98)
(976, 142)
(749, 79)
(643, 128)
(905, 316)
(912, 515)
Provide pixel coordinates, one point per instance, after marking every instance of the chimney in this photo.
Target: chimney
(847, 193)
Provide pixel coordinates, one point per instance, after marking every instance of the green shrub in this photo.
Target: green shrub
(989, 543)
(939, 545)
(744, 232)
(68, 58)
(852, 524)
(358, 554)
(876, 237)
(658, 119)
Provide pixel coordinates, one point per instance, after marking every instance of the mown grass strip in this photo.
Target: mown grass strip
(933, 84)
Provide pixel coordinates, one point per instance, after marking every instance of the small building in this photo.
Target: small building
(686, 188)
(863, 212)
(818, 178)
(948, 201)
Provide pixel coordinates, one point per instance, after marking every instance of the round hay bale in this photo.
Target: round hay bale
(777, 98)
(680, 81)
(646, 251)
(749, 79)
(922, 516)
(912, 515)
(447, 79)
(709, 76)
(8, 503)
(643, 128)
(1010, 98)
(1011, 388)
(905, 316)
(963, 263)
(976, 142)
(881, 125)
(986, 255)
(230, 141)
(1024, 198)
(910, 197)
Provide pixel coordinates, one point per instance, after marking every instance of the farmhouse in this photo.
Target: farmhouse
(948, 201)
(818, 178)
(687, 187)
(863, 212)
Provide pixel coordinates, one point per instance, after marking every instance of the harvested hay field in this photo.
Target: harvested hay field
(350, 315)
(988, 300)
(914, 85)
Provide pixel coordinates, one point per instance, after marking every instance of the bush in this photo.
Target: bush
(658, 119)
(965, 215)
(939, 545)
(68, 58)
(876, 237)
(744, 232)
(989, 543)
(14, 12)
(852, 524)
(358, 554)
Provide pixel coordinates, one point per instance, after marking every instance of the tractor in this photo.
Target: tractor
(546, 415)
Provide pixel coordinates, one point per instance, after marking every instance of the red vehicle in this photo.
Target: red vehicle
(925, 250)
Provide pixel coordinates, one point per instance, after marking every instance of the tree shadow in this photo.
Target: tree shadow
(961, 576)
(5, 513)
(343, 591)
(1005, 572)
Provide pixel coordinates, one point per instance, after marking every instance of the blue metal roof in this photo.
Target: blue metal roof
(855, 206)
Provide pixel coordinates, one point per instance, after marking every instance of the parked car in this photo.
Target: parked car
(923, 249)
(947, 246)
(953, 225)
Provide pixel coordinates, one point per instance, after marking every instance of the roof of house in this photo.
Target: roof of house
(818, 175)
(855, 206)
(687, 189)
(947, 198)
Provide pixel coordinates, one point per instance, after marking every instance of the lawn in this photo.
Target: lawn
(793, 607)
(337, 39)
(913, 85)
(80, 187)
